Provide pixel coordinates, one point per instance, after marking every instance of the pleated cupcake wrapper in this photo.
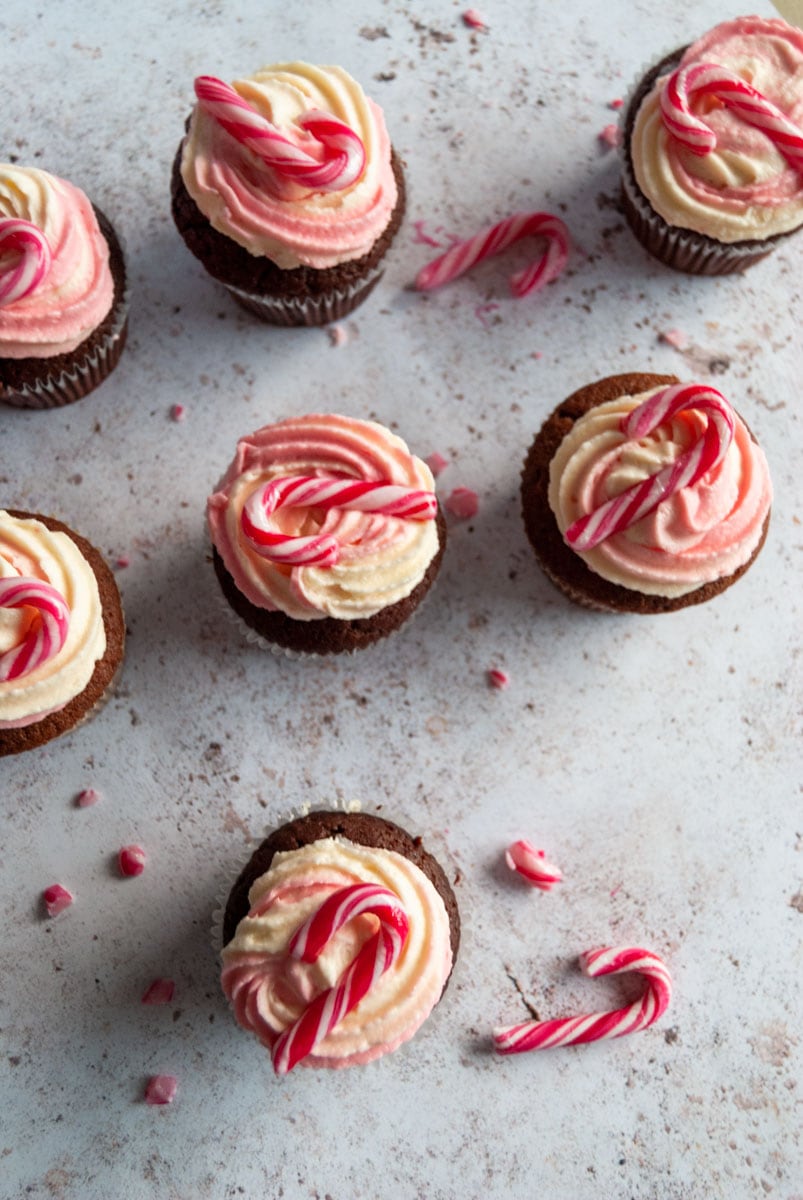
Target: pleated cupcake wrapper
(312, 310)
(54, 391)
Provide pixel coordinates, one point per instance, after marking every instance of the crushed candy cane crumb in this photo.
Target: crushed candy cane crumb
(473, 20)
(675, 338)
(529, 862)
(161, 991)
(122, 561)
(498, 679)
(161, 1089)
(614, 104)
(609, 136)
(87, 797)
(56, 899)
(178, 412)
(436, 463)
(462, 503)
(131, 860)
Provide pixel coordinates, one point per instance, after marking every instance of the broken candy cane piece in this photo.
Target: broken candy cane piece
(523, 858)
(498, 679)
(473, 20)
(87, 797)
(570, 1031)
(436, 463)
(131, 860)
(159, 992)
(462, 503)
(56, 899)
(161, 1089)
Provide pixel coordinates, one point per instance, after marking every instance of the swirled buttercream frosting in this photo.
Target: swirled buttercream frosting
(701, 533)
(382, 558)
(256, 961)
(745, 188)
(76, 292)
(28, 549)
(240, 194)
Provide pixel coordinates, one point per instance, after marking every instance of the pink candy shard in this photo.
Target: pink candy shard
(615, 103)
(523, 858)
(131, 860)
(498, 679)
(87, 797)
(436, 463)
(161, 1089)
(473, 20)
(609, 135)
(462, 503)
(56, 899)
(122, 561)
(178, 412)
(675, 338)
(159, 992)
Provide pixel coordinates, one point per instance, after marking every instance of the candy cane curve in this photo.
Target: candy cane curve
(461, 257)
(640, 499)
(33, 263)
(709, 79)
(46, 636)
(310, 491)
(531, 863)
(375, 957)
(592, 1027)
(340, 159)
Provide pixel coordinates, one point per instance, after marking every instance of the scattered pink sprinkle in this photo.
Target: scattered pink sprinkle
(159, 992)
(473, 19)
(422, 238)
(131, 860)
(337, 334)
(161, 1089)
(87, 797)
(178, 412)
(615, 890)
(609, 136)
(498, 679)
(615, 103)
(56, 899)
(123, 561)
(462, 503)
(436, 463)
(675, 338)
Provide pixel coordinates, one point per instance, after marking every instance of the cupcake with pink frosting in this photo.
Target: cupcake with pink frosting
(326, 533)
(642, 494)
(287, 189)
(713, 148)
(339, 938)
(63, 291)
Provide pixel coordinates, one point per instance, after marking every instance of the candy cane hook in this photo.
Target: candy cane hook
(47, 632)
(33, 261)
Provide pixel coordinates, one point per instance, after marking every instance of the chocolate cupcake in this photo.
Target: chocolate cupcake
(62, 631)
(288, 191)
(341, 913)
(63, 291)
(326, 533)
(713, 148)
(644, 495)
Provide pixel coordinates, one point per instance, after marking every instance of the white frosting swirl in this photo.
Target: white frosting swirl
(27, 547)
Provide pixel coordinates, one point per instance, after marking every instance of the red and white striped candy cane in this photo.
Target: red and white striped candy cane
(640, 499)
(571, 1031)
(529, 862)
(29, 265)
(461, 257)
(709, 79)
(339, 158)
(374, 958)
(45, 636)
(310, 491)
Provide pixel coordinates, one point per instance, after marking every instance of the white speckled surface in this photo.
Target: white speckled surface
(657, 759)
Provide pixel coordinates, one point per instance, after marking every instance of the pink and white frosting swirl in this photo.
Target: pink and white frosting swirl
(291, 225)
(382, 558)
(256, 960)
(76, 292)
(29, 549)
(701, 533)
(745, 188)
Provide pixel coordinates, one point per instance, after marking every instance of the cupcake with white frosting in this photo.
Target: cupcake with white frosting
(713, 148)
(287, 189)
(63, 291)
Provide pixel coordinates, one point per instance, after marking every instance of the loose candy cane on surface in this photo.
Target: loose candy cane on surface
(523, 858)
(375, 957)
(46, 634)
(640, 499)
(29, 259)
(335, 163)
(571, 1031)
(709, 79)
(461, 257)
(311, 491)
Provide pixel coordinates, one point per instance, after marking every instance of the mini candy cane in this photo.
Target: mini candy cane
(636, 501)
(310, 491)
(32, 264)
(462, 256)
(570, 1031)
(374, 958)
(709, 79)
(342, 151)
(523, 858)
(45, 636)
